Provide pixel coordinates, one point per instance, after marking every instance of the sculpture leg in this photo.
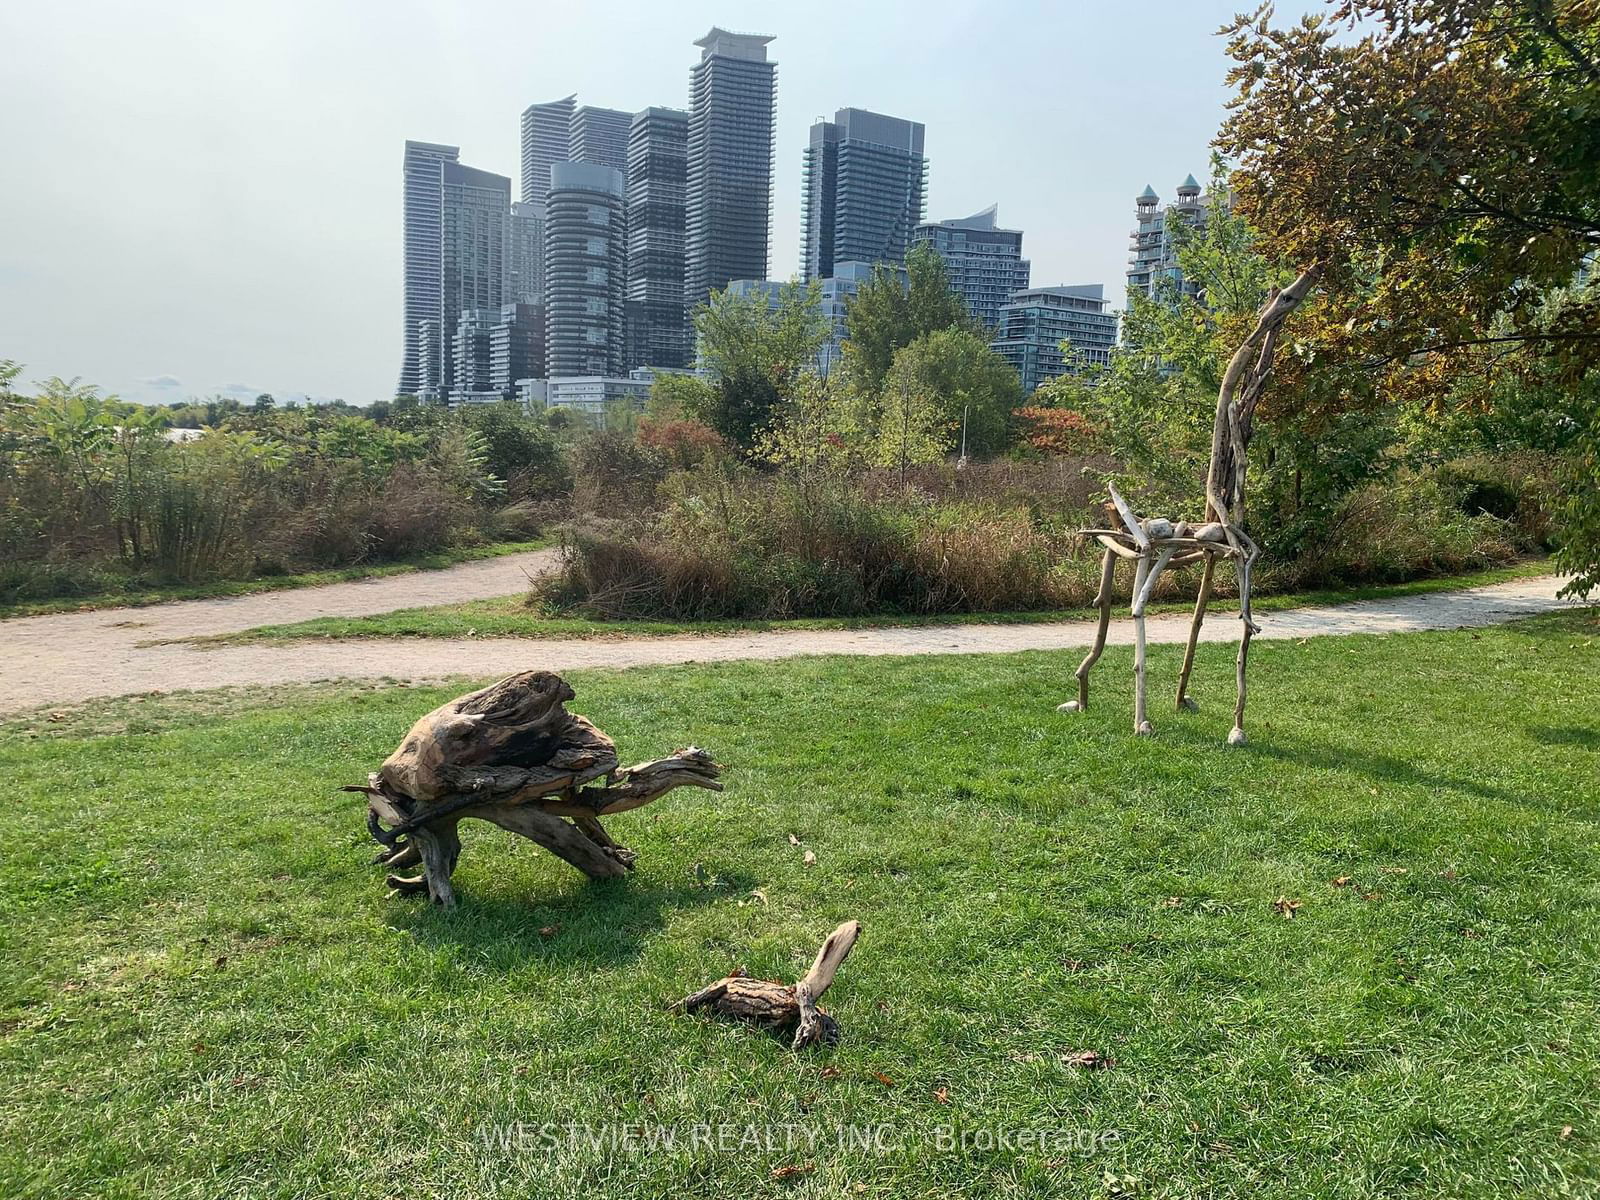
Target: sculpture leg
(1184, 703)
(1236, 734)
(440, 847)
(1141, 725)
(1102, 600)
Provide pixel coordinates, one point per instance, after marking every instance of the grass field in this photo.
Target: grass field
(139, 594)
(510, 616)
(204, 991)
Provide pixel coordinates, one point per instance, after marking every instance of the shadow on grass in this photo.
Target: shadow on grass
(1566, 735)
(1380, 768)
(582, 922)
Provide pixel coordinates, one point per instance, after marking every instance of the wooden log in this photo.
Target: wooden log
(779, 1007)
(1141, 724)
(512, 755)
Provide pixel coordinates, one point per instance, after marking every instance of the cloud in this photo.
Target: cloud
(239, 389)
(162, 381)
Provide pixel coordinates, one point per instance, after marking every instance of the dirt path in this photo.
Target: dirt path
(78, 656)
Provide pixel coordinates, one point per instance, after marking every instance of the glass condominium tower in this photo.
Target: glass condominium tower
(546, 137)
(457, 239)
(585, 260)
(599, 136)
(728, 178)
(984, 262)
(864, 182)
(658, 327)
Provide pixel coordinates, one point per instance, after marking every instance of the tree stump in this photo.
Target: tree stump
(513, 755)
(780, 1007)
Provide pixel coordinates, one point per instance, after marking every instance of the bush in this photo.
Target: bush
(736, 545)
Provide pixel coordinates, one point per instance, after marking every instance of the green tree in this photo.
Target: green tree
(891, 310)
(954, 375)
(1438, 163)
(754, 352)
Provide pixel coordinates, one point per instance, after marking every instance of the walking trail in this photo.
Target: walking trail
(71, 657)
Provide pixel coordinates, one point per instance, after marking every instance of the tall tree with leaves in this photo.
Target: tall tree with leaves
(892, 310)
(1436, 164)
(755, 353)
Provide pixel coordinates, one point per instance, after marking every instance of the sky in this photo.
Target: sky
(204, 198)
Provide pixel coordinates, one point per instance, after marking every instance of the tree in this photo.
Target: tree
(1438, 167)
(890, 311)
(936, 383)
(754, 352)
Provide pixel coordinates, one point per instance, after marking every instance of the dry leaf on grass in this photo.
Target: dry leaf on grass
(1285, 907)
(830, 1072)
(810, 859)
(549, 931)
(1342, 881)
(942, 1095)
(793, 1169)
(793, 841)
(1088, 1060)
(883, 1079)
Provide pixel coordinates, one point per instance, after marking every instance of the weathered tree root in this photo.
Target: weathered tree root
(779, 1007)
(512, 755)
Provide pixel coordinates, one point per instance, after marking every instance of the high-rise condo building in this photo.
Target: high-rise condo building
(1154, 243)
(474, 330)
(599, 136)
(527, 252)
(516, 347)
(658, 326)
(584, 265)
(864, 181)
(456, 235)
(546, 137)
(1033, 324)
(984, 262)
(728, 183)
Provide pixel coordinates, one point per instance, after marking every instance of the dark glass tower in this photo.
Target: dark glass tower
(865, 178)
(658, 328)
(728, 199)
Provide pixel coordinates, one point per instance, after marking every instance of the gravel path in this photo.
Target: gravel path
(78, 656)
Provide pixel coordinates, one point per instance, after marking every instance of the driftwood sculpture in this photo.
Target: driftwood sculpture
(780, 1007)
(513, 755)
(1156, 544)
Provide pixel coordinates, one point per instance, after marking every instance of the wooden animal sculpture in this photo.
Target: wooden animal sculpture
(513, 755)
(1156, 544)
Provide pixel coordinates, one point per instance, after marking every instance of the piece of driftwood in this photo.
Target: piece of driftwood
(511, 754)
(780, 1007)
(1156, 544)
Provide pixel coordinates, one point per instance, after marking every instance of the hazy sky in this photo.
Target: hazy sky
(204, 197)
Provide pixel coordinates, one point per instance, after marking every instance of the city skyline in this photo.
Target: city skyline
(304, 303)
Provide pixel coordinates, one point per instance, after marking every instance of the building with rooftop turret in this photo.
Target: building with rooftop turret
(1154, 244)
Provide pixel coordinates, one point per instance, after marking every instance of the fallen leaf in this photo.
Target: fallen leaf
(758, 895)
(942, 1095)
(1342, 881)
(1285, 907)
(1172, 902)
(58, 716)
(883, 1079)
(793, 841)
(830, 1072)
(549, 931)
(1393, 871)
(790, 1171)
(810, 859)
(1566, 1132)
(1088, 1060)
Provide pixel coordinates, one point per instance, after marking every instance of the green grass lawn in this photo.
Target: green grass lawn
(204, 991)
(510, 616)
(140, 594)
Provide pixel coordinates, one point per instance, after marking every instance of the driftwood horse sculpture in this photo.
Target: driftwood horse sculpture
(1156, 544)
